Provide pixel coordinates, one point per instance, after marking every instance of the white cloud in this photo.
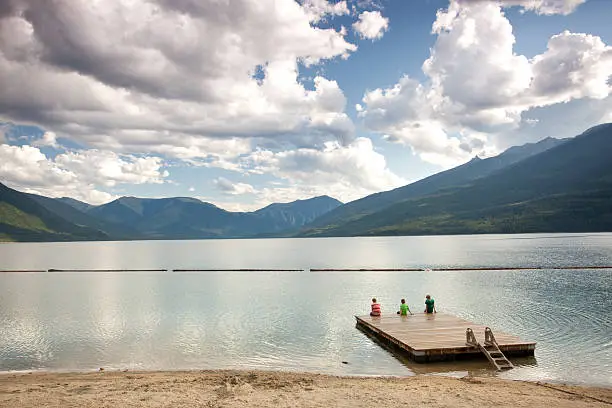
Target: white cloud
(190, 148)
(476, 77)
(75, 174)
(28, 166)
(318, 9)
(545, 7)
(48, 139)
(371, 25)
(228, 187)
(344, 172)
(559, 120)
(574, 66)
(110, 74)
(109, 169)
(477, 85)
(406, 114)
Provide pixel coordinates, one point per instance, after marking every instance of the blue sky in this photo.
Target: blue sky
(276, 100)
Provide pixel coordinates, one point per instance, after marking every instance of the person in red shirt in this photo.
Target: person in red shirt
(375, 308)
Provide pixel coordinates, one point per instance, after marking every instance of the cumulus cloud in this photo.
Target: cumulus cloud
(574, 66)
(109, 169)
(165, 73)
(28, 166)
(472, 65)
(75, 174)
(371, 25)
(48, 139)
(345, 172)
(478, 85)
(318, 9)
(228, 187)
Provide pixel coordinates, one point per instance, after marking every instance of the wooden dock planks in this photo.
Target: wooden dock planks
(436, 337)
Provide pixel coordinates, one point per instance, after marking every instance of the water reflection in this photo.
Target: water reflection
(300, 320)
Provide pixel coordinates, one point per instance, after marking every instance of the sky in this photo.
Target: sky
(243, 103)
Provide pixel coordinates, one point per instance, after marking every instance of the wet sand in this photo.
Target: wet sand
(282, 389)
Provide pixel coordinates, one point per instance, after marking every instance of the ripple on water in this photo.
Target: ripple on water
(304, 321)
(24, 345)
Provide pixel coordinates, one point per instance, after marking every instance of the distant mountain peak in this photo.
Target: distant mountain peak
(595, 128)
(533, 148)
(554, 185)
(125, 199)
(324, 197)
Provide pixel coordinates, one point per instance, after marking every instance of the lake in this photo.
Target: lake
(301, 321)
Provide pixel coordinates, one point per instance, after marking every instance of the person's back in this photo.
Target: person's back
(430, 306)
(375, 308)
(404, 309)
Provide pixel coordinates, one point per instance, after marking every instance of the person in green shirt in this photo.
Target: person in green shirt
(404, 309)
(430, 306)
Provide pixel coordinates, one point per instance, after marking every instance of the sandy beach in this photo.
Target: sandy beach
(282, 389)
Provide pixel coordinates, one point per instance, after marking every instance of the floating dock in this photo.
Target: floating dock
(437, 337)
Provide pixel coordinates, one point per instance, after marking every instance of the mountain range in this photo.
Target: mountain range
(31, 217)
(453, 178)
(555, 185)
(552, 186)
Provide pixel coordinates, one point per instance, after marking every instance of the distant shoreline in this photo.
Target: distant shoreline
(231, 388)
(513, 235)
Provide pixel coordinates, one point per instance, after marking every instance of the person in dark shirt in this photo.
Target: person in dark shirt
(430, 306)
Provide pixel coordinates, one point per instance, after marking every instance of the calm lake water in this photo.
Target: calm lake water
(301, 321)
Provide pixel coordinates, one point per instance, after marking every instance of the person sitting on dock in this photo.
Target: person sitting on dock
(375, 308)
(404, 309)
(430, 306)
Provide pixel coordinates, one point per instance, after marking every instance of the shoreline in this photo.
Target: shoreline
(240, 388)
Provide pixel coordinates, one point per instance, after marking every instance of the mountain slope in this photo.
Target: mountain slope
(23, 219)
(565, 188)
(170, 218)
(61, 208)
(189, 218)
(464, 174)
(30, 217)
(283, 216)
(79, 205)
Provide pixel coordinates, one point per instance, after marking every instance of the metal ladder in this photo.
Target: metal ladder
(490, 349)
